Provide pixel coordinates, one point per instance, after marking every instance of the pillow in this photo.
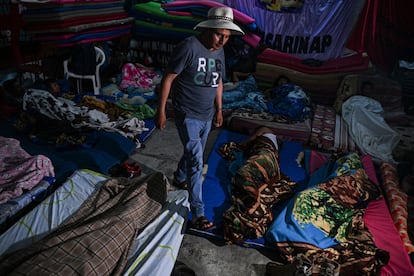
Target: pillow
(347, 88)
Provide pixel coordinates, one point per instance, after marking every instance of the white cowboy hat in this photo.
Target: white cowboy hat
(220, 18)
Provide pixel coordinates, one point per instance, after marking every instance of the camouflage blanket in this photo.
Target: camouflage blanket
(257, 185)
(98, 238)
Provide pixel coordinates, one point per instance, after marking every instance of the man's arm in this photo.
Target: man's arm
(166, 83)
(218, 118)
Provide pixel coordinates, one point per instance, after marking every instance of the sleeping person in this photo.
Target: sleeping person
(257, 184)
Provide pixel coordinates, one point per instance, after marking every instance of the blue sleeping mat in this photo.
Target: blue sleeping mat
(105, 150)
(217, 182)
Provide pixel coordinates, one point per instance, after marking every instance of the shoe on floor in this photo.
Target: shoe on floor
(132, 169)
(126, 169)
(180, 185)
(202, 223)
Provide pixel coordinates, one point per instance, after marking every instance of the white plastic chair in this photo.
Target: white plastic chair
(96, 80)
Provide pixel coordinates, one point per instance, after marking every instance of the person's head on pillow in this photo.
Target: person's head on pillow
(281, 80)
(366, 88)
(262, 131)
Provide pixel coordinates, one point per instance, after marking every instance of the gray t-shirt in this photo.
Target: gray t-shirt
(199, 72)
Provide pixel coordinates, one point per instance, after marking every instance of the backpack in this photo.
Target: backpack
(83, 60)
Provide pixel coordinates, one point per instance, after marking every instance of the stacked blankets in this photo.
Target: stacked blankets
(158, 27)
(175, 20)
(68, 22)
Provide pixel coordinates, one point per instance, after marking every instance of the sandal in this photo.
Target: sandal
(202, 223)
(179, 185)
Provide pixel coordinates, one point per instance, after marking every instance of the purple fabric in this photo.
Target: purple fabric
(327, 25)
(20, 171)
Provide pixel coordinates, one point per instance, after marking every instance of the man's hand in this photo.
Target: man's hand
(160, 120)
(218, 118)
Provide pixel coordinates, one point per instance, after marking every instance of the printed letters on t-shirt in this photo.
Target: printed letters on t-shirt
(208, 72)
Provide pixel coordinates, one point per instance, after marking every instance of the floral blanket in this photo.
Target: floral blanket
(326, 219)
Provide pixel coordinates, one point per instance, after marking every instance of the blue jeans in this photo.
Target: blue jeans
(193, 135)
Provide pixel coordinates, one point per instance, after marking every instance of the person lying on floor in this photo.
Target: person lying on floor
(288, 101)
(257, 184)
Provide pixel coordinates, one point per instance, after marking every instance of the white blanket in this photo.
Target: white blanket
(366, 124)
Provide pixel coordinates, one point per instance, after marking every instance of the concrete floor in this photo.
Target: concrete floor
(205, 257)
